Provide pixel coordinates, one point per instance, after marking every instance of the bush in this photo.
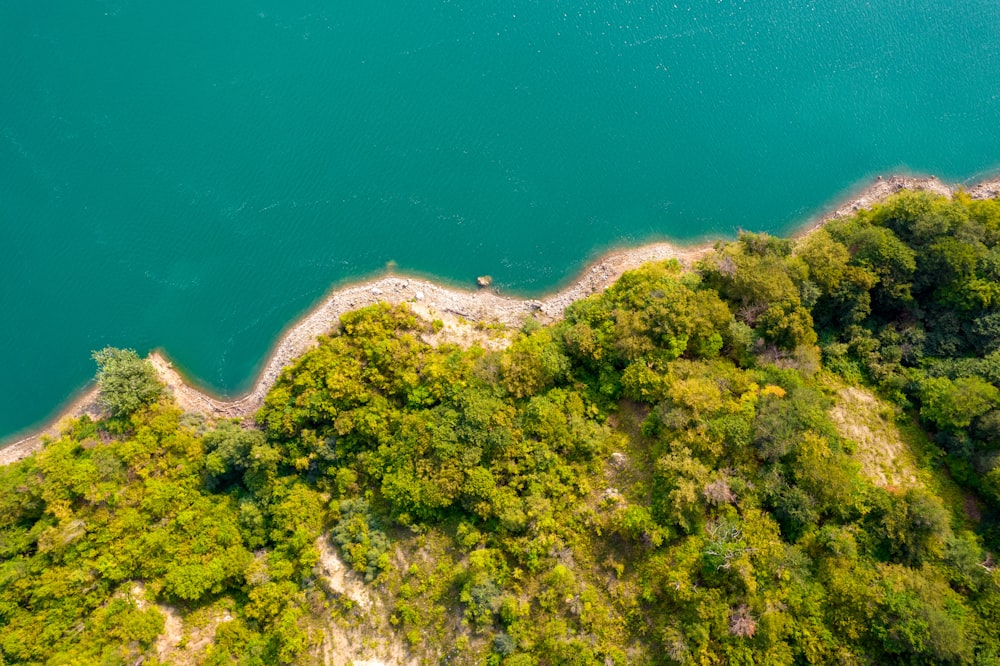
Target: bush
(362, 545)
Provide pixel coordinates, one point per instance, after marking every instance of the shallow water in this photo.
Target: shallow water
(195, 175)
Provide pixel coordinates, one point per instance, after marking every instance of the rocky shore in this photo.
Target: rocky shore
(472, 306)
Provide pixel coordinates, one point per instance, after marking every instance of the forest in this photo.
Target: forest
(788, 454)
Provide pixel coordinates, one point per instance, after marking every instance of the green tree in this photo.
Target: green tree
(532, 364)
(881, 252)
(127, 382)
(228, 451)
(952, 405)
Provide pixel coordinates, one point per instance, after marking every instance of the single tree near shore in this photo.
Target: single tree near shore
(126, 381)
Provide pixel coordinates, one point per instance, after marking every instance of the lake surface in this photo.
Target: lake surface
(195, 175)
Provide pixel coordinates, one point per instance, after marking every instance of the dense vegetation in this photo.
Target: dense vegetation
(655, 479)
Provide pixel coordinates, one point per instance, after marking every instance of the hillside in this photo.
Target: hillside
(786, 455)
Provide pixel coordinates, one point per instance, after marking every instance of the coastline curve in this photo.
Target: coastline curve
(483, 305)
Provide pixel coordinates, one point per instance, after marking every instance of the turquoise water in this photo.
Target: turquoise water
(194, 175)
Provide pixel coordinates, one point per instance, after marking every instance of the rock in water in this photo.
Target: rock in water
(484, 280)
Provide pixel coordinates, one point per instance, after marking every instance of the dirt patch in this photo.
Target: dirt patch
(358, 633)
(456, 330)
(172, 635)
(183, 642)
(972, 506)
(864, 420)
(339, 578)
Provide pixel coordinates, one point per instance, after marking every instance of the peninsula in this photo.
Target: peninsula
(452, 305)
(785, 453)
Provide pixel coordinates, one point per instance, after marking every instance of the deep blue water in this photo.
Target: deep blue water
(195, 175)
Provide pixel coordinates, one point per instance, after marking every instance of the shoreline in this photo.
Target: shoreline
(472, 305)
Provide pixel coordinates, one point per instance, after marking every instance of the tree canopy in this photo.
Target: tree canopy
(661, 477)
(126, 381)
